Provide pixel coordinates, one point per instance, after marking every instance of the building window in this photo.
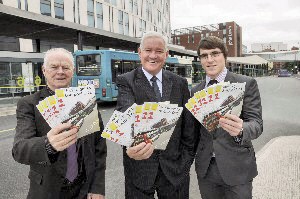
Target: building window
(130, 6)
(46, 7)
(59, 9)
(178, 40)
(126, 24)
(26, 5)
(113, 2)
(90, 13)
(19, 4)
(76, 11)
(148, 11)
(158, 17)
(121, 30)
(99, 11)
(193, 38)
(135, 7)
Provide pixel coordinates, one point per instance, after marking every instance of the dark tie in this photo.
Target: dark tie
(72, 165)
(156, 89)
(212, 82)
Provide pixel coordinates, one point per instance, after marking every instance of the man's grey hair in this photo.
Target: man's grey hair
(153, 34)
(67, 53)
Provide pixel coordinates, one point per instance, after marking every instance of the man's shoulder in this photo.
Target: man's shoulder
(240, 77)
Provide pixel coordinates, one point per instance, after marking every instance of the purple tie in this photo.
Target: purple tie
(72, 166)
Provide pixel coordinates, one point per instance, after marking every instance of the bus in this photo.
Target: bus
(183, 68)
(101, 68)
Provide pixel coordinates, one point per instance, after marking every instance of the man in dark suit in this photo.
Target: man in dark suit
(48, 152)
(225, 162)
(147, 169)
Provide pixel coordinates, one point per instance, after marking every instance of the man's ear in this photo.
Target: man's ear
(167, 53)
(43, 69)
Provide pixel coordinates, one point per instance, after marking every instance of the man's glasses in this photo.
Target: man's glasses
(213, 54)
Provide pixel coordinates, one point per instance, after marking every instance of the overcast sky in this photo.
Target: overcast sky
(261, 20)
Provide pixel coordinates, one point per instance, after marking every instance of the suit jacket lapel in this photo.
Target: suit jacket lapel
(166, 86)
(142, 81)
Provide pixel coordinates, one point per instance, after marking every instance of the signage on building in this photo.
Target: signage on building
(230, 36)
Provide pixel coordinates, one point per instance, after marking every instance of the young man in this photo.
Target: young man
(48, 151)
(147, 169)
(225, 161)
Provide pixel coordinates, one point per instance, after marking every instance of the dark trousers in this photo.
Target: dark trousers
(162, 186)
(212, 186)
(71, 190)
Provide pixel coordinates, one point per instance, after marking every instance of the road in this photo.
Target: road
(281, 105)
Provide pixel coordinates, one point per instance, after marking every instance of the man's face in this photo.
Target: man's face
(213, 61)
(153, 55)
(59, 71)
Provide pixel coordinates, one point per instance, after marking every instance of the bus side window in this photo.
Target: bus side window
(116, 69)
(128, 66)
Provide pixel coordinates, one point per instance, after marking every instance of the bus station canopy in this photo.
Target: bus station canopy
(250, 60)
(21, 57)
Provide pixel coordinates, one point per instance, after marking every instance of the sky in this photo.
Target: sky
(261, 20)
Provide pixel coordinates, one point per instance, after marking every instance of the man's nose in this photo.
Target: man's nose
(152, 54)
(210, 58)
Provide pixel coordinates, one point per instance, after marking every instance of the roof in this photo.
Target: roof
(252, 60)
(8, 56)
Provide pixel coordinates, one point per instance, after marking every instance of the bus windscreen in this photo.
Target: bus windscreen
(88, 65)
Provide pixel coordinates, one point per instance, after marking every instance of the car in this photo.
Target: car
(284, 73)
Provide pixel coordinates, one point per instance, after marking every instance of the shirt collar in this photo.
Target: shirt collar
(220, 77)
(51, 92)
(149, 76)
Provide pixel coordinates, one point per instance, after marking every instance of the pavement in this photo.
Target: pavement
(278, 163)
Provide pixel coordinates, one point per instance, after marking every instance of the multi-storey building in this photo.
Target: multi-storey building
(230, 32)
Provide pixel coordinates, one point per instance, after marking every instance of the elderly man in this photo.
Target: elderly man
(148, 170)
(61, 166)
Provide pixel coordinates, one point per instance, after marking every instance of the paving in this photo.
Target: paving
(278, 169)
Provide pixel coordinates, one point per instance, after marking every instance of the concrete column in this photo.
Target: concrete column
(79, 40)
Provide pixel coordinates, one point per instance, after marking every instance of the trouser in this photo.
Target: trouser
(71, 190)
(212, 186)
(162, 186)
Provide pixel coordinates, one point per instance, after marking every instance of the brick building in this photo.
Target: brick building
(230, 32)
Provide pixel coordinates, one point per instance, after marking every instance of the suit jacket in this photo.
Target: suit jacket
(236, 161)
(176, 159)
(46, 177)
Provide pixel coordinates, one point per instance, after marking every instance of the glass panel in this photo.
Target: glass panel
(116, 69)
(99, 10)
(90, 6)
(128, 66)
(91, 20)
(126, 23)
(88, 65)
(121, 30)
(59, 12)
(59, 1)
(113, 2)
(46, 7)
